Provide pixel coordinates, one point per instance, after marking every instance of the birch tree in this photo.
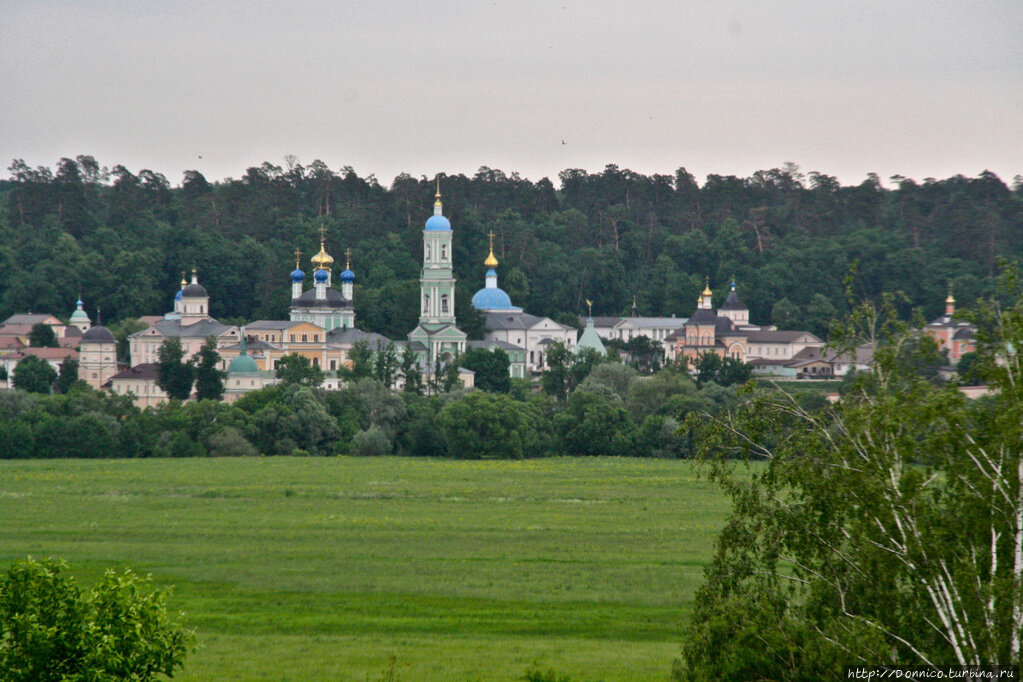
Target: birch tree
(885, 529)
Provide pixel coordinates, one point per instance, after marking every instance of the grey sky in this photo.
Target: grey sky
(919, 88)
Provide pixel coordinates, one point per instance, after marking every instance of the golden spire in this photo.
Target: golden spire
(298, 258)
(184, 281)
(589, 304)
(436, 202)
(322, 260)
(348, 258)
(706, 290)
(950, 299)
(491, 262)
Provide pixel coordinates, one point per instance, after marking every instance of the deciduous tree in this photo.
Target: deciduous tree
(174, 375)
(35, 375)
(68, 375)
(50, 630)
(42, 336)
(491, 368)
(296, 369)
(209, 378)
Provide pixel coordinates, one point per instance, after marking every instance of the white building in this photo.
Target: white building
(508, 324)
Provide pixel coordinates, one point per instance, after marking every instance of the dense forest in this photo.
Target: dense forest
(121, 240)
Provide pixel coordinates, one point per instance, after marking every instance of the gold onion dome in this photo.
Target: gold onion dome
(706, 290)
(322, 260)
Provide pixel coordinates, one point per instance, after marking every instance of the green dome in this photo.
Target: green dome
(243, 364)
(590, 339)
(79, 315)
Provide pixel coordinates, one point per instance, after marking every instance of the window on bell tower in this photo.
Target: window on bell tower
(444, 303)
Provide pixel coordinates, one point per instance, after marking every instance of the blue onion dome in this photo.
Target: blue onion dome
(297, 275)
(320, 276)
(243, 364)
(177, 295)
(347, 276)
(438, 223)
(491, 299)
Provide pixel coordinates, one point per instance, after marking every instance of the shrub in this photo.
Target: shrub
(372, 442)
(49, 630)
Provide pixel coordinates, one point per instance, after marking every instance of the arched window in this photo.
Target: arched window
(443, 251)
(426, 303)
(427, 252)
(444, 303)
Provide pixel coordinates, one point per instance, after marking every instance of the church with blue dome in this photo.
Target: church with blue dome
(515, 331)
(492, 298)
(323, 305)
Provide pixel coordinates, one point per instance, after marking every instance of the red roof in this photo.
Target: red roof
(10, 342)
(46, 353)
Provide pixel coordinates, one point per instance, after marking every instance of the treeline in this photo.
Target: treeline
(609, 410)
(122, 239)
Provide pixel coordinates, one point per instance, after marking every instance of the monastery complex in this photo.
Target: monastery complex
(322, 328)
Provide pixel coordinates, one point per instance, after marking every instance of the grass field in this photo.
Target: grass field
(374, 569)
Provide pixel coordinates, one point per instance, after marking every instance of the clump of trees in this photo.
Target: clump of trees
(595, 407)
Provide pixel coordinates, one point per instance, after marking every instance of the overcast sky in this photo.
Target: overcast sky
(921, 88)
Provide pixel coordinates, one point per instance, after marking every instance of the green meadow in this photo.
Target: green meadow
(386, 568)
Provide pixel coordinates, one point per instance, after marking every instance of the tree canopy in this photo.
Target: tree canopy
(175, 374)
(35, 375)
(42, 336)
(209, 378)
(296, 369)
(122, 237)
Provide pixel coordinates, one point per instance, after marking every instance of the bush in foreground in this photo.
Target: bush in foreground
(120, 630)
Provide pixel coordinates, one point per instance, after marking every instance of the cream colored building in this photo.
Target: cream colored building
(138, 381)
(98, 357)
(190, 322)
